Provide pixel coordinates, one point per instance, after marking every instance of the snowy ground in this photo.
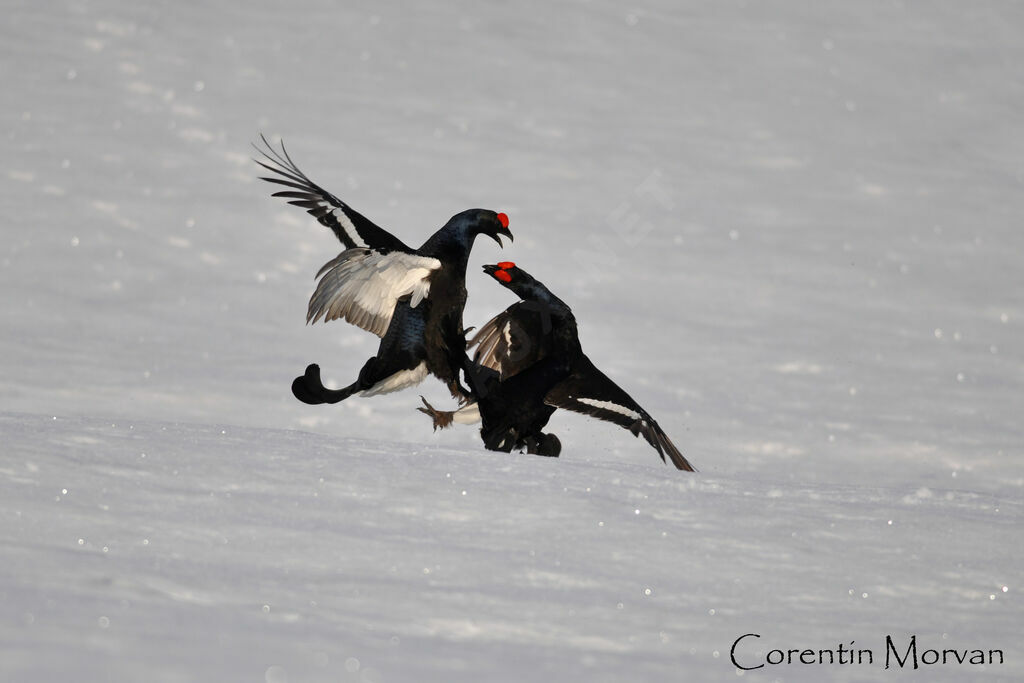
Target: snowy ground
(790, 230)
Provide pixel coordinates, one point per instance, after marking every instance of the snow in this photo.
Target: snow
(789, 230)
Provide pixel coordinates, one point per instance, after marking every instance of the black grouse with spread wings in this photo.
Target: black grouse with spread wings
(412, 299)
(529, 362)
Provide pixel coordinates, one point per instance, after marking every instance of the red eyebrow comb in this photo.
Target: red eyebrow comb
(503, 276)
(505, 265)
(503, 219)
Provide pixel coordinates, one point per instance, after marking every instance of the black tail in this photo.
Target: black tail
(310, 389)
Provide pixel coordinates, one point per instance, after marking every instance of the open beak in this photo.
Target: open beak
(503, 222)
(491, 269)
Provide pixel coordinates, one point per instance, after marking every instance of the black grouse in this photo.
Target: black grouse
(529, 362)
(411, 298)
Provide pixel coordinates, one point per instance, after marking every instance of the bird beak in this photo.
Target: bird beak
(503, 222)
(490, 269)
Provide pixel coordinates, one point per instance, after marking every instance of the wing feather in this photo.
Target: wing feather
(363, 285)
(511, 341)
(486, 340)
(351, 227)
(590, 392)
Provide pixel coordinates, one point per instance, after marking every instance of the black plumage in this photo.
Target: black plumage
(412, 298)
(529, 362)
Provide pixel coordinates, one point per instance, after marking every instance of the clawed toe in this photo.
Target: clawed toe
(442, 418)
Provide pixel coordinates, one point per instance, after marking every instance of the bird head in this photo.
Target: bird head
(507, 274)
(473, 222)
(526, 287)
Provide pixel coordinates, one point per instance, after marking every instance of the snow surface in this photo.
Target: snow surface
(790, 230)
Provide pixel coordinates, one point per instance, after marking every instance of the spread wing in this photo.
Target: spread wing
(350, 226)
(589, 391)
(513, 340)
(363, 285)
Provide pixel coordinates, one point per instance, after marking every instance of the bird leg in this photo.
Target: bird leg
(459, 392)
(442, 418)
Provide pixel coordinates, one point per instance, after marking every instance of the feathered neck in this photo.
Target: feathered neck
(530, 289)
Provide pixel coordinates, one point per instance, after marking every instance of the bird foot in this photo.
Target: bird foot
(442, 418)
(459, 392)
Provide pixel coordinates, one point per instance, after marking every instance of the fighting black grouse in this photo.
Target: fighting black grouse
(411, 298)
(529, 362)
